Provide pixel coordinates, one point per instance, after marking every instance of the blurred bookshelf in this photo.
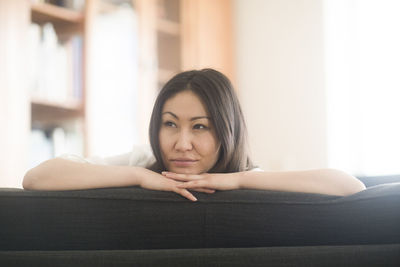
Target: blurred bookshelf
(42, 12)
(48, 88)
(169, 32)
(56, 78)
(193, 34)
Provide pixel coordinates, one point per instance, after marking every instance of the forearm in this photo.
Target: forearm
(323, 181)
(61, 174)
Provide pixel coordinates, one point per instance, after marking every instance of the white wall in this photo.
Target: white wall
(280, 79)
(14, 101)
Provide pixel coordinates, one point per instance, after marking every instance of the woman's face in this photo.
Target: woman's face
(187, 136)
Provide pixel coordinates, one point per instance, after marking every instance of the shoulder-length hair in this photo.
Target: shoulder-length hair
(217, 93)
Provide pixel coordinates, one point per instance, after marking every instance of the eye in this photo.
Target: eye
(170, 124)
(199, 126)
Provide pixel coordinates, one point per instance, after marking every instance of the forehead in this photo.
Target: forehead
(185, 104)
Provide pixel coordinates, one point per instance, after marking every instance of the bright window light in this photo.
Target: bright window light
(362, 48)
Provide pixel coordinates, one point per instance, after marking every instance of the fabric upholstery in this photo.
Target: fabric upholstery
(138, 219)
(307, 256)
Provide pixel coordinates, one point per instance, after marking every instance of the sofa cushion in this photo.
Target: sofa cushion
(135, 218)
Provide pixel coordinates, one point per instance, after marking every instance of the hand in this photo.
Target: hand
(154, 181)
(206, 181)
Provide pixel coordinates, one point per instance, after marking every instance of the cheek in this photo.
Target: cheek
(208, 145)
(163, 140)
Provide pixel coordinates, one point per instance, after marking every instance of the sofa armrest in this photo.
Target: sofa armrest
(377, 180)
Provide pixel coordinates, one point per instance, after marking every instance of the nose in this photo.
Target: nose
(184, 141)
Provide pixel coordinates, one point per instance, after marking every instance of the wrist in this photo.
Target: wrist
(240, 180)
(246, 179)
(136, 175)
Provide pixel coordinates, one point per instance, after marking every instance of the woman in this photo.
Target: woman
(198, 138)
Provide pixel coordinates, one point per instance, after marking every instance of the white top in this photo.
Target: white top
(140, 156)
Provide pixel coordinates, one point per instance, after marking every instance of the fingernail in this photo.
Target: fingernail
(164, 173)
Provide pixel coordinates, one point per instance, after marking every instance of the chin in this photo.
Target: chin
(185, 170)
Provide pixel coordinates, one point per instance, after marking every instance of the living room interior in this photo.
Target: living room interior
(317, 80)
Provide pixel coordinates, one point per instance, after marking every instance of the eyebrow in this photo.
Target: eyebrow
(192, 119)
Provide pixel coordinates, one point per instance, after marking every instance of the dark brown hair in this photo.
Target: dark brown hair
(217, 93)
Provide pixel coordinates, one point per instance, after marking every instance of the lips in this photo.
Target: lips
(183, 162)
(183, 159)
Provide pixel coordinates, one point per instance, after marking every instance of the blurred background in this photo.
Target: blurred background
(318, 80)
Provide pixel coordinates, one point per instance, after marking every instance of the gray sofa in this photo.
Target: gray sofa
(137, 227)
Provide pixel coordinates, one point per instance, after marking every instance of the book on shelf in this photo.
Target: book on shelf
(55, 65)
(77, 5)
(40, 147)
(52, 142)
(77, 48)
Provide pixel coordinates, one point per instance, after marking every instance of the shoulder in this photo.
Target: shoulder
(255, 169)
(141, 155)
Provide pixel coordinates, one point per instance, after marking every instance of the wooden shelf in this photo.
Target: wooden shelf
(169, 9)
(169, 34)
(168, 27)
(106, 7)
(42, 13)
(73, 105)
(50, 111)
